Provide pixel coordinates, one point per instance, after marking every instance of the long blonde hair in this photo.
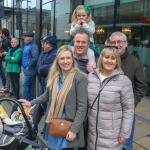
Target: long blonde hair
(113, 52)
(74, 15)
(55, 69)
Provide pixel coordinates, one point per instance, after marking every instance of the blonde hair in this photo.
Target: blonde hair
(74, 15)
(111, 51)
(55, 69)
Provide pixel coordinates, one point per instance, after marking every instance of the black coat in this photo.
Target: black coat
(134, 70)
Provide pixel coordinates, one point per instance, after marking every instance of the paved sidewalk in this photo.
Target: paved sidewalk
(142, 127)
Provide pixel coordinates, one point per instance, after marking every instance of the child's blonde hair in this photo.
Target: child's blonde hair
(74, 15)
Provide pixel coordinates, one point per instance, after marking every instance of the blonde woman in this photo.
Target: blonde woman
(67, 87)
(111, 103)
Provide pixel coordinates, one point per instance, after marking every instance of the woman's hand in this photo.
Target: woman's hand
(71, 136)
(121, 140)
(24, 102)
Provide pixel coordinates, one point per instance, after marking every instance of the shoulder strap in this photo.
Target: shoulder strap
(96, 98)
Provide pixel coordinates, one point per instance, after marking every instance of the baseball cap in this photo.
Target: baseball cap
(51, 40)
(29, 34)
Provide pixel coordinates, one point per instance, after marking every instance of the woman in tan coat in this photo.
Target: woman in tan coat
(111, 103)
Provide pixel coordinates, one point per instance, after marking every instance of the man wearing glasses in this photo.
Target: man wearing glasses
(132, 68)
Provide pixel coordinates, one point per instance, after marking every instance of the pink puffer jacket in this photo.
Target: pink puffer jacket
(112, 114)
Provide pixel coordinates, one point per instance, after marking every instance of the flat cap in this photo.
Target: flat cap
(29, 34)
(50, 39)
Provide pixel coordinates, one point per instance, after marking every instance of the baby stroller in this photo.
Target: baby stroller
(18, 135)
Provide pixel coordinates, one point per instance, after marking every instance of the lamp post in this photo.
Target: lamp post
(27, 13)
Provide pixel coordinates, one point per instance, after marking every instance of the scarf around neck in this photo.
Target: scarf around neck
(59, 98)
(12, 50)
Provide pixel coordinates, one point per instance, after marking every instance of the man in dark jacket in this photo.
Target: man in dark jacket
(2, 74)
(6, 40)
(29, 62)
(44, 64)
(45, 60)
(134, 69)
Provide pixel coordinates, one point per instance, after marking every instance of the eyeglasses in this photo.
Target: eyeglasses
(117, 42)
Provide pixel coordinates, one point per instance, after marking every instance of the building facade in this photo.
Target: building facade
(53, 17)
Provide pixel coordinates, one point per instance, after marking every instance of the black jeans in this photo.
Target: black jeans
(38, 113)
(2, 75)
(15, 77)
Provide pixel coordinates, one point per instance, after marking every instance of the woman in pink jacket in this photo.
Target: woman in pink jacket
(111, 103)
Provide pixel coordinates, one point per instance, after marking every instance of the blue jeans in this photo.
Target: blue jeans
(2, 75)
(128, 145)
(28, 84)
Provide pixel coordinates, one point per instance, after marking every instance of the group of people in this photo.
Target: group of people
(75, 86)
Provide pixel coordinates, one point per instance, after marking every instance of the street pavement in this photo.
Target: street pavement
(142, 127)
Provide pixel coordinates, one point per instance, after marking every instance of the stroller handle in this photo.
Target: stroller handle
(31, 132)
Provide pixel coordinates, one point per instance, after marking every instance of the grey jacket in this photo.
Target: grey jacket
(75, 107)
(112, 113)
